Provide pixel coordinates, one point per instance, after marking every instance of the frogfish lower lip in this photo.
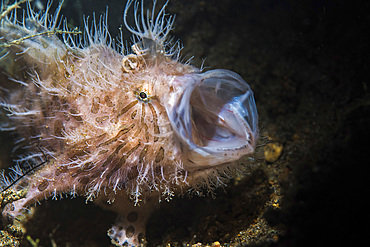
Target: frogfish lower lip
(214, 116)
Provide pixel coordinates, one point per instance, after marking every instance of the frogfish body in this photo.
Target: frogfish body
(126, 128)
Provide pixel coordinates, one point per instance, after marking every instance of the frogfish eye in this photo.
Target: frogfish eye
(142, 95)
(215, 118)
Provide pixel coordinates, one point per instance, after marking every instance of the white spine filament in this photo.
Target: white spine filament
(150, 27)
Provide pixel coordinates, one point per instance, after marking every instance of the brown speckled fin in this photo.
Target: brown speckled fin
(131, 221)
(51, 181)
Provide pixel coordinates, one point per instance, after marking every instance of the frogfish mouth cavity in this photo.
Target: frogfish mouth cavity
(214, 117)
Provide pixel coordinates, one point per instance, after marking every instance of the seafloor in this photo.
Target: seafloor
(308, 64)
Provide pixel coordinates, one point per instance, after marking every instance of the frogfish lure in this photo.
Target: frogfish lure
(124, 127)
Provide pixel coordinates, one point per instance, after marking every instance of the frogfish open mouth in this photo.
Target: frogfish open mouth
(126, 127)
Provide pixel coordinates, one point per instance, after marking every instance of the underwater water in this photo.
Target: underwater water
(307, 63)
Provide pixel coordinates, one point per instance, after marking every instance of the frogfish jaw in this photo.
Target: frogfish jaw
(214, 117)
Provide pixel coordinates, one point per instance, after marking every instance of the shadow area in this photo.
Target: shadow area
(206, 220)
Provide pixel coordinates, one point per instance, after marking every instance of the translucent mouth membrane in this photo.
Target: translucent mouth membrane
(215, 118)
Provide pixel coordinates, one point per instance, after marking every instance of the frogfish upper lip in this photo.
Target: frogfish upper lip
(214, 117)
